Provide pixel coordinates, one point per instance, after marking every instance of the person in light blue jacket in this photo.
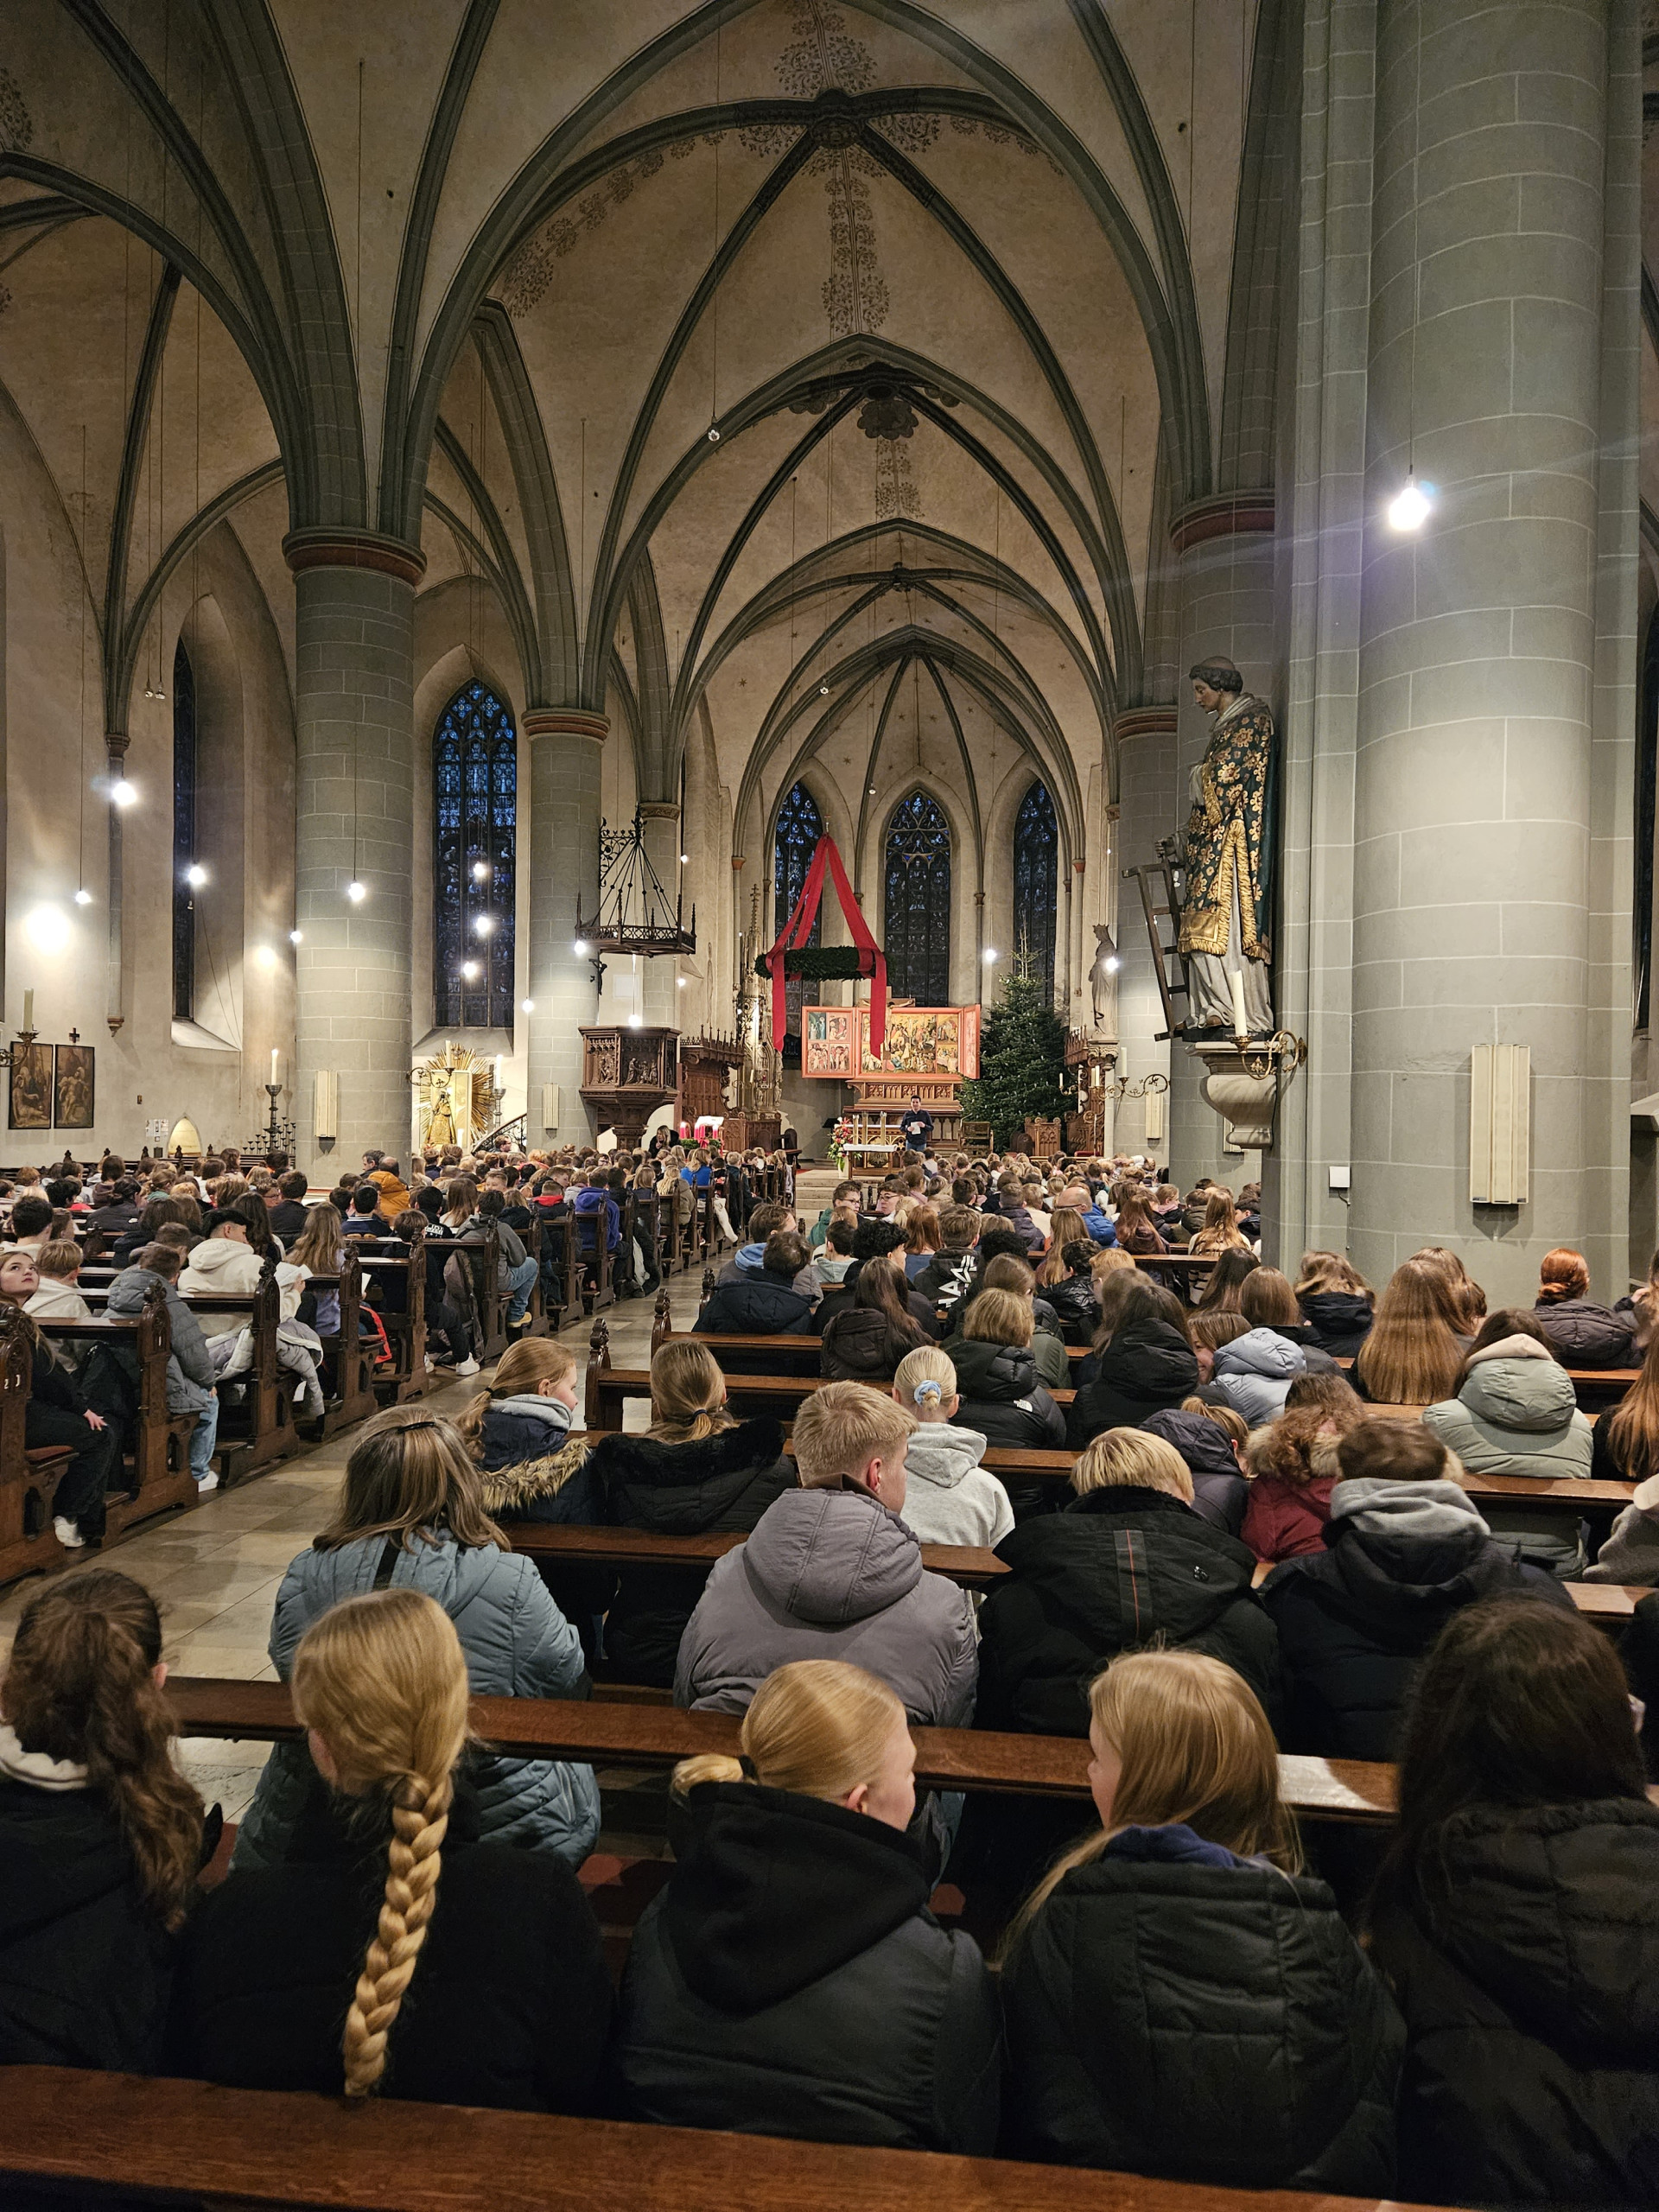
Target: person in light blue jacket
(1254, 1372)
(411, 1518)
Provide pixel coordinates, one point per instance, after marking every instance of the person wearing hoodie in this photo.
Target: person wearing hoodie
(58, 1298)
(1266, 1300)
(1211, 1439)
(764, 1304)
(1147, 1365)
(1406, 1551)
(748, 1263)
(948, 1498)
(1128, 1561)
(1254, 1372)
(101, 1837)
(790, 1979)
(835, 1256)
(226, 1265)
(189, 1364)
(696, 1470)
(831, 1570)
(1181, 1999)
(392, 1949)
(595, 1213)
(1096, 1223)
(1517, 1920)
(954, 1264)
(1336, 1301)
(409, 1517)
(1584, 1332)
(1516, 1413)
(1294, 1467)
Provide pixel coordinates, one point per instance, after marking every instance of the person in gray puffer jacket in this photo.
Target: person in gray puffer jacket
(1516, 1413)
(189, 1364)
(831, 1572)
(1254, 1372)
(411, 1518)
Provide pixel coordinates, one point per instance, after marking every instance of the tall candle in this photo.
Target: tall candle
(273, 1065)
(28, 1011)
(1241, 1025)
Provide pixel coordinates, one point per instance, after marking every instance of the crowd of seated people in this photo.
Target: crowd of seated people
(1254, 1553)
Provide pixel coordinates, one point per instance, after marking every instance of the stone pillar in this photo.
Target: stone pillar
(1145, 740)
(354, 599)
(566, 746)
(659, 995)
(1225, 549)
(1478, 639)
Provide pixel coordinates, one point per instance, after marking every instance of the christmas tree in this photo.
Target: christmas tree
(1021, 1061)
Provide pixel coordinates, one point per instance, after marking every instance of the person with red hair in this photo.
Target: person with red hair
(1583, 1332)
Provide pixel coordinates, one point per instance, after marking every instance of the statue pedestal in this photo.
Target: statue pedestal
(626, 1074)
(1244, 1101)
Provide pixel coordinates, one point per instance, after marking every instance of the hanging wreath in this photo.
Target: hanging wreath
(821, 963)
(779, 962)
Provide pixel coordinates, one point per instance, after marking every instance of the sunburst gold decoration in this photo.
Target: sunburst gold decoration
(458, 1097)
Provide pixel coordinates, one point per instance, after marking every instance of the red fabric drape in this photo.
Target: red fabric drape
(796, 930)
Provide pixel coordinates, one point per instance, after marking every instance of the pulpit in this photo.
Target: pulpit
(626, 1074)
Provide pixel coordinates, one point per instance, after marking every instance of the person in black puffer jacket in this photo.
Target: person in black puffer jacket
(695, 1470)
(100, 1836)
(1071, 1294)
(519, 1431)
(1518, 1919)
(768, 1307)
(1180, 1999)
(790, 1979)
(1077, 1592)
(1000, 1393)
(1209, 1440)
(1585, 1333)
(1406, 1549)
(1336, 1301)
(1148, 1366)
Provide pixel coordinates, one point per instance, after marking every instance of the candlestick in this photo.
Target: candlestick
(1241, 1025)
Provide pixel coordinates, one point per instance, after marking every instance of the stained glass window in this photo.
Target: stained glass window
(474, 820)
(1036, 861)
(918, 902)
(184, 836)
(800, 825)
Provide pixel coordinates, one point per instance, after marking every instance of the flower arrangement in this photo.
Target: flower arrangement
(839, 1138)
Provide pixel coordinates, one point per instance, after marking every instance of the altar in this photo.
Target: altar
(925, 1053)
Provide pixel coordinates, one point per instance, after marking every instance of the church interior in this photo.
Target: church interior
(667, 663)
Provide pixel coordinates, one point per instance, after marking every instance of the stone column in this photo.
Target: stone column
(1473, 814)
(1145, 741)
(354, 599)
(567, 745)
(658, 997)
(1225, 549)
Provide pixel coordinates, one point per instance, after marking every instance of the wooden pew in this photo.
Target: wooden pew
(28, 1479)
(1348, 1790)
(131, 2133)
(393, 1277)
(353, 1353)
(569, 1544)
(609, 1387)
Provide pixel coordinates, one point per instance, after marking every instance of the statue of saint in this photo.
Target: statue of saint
(1225, 920)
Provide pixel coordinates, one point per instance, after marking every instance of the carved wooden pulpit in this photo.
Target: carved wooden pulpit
(626, 1074)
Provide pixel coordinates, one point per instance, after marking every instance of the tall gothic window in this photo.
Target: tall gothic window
(474, 817)
(918, 902)
(800, 825)
(1036, 858)
(184, 836)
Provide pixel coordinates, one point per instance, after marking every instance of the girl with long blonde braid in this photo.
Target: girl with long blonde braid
(386, 1881)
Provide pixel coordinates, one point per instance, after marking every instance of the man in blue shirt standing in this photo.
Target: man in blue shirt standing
(917, 1126)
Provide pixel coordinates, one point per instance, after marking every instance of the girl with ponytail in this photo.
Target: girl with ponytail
(790, 1979)
(1179, 1999)
(695, 1469)
(385, 1886)
(100, 1835)
(949, 1498)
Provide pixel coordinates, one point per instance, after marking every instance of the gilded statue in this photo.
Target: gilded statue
(1226, 915)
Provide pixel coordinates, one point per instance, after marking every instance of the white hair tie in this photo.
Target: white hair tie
(924, 1391)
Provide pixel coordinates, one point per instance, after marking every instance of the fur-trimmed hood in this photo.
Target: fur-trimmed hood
(509, 1492)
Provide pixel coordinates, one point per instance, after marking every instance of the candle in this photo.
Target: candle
(273, 1066)
(28, 1011)
(1241, 1025)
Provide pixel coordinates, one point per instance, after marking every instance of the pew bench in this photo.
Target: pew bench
(128, 2133)
(606, 1389)
(393, 1277)
(567, 1544)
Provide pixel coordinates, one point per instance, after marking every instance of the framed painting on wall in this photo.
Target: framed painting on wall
(922, 1040)
(73, 1087)
(827, 1040)
(31, 1087)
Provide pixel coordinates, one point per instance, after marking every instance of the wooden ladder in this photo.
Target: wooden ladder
(1160, 904)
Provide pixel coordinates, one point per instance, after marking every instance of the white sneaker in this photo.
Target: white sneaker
(204, 1483)
(68, 1535)
(466, 1367)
